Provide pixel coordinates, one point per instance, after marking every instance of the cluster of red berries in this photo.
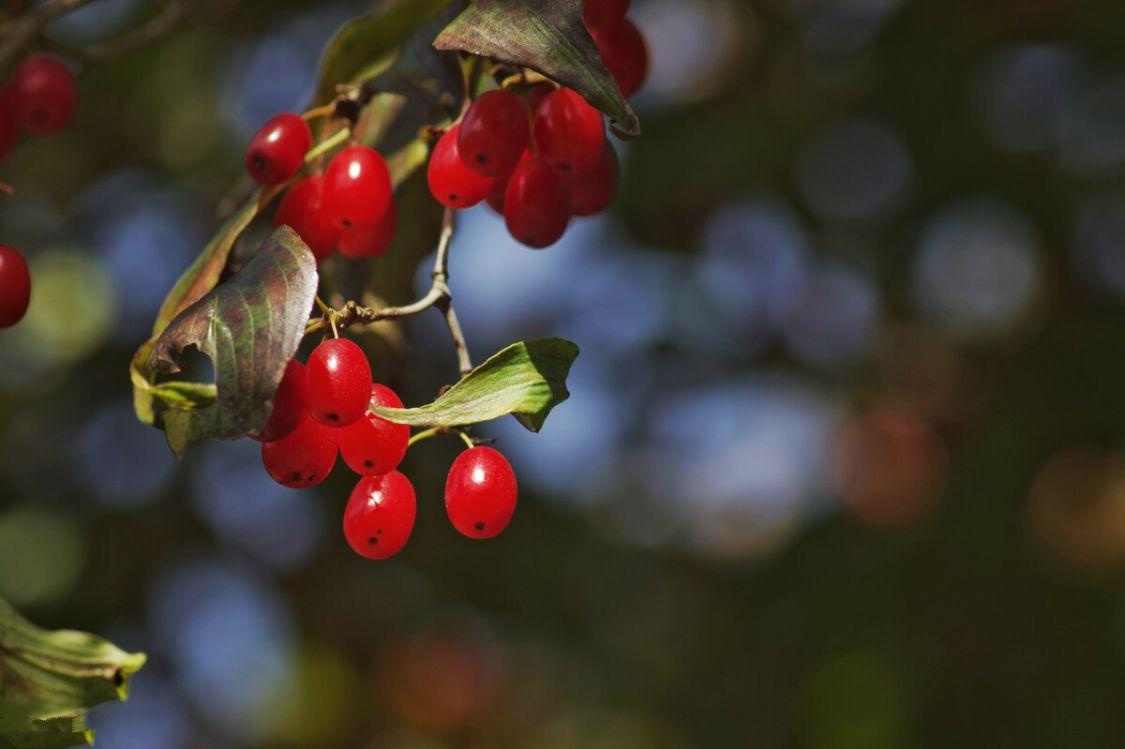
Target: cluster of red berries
(39, 99)
(350, 207)
(321, 410)
(542, 158)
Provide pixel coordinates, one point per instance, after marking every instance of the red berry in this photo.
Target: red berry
(278, 150)
(535, 204)
(535, 95)
(302, 459)
(604, 14)
(625, 56)
(373, 446)
(288, 404)
(591, 192)
(494, 133)
(357, 187)
(302, 210)
(339, 382)
(452, 183)
(496, 194)
(569, 133)
(42, 95)
(370, 241)
(15, 286)
(380, 515)
(480, 493)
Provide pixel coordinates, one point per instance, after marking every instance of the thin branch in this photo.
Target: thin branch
(153, 29)
(22, 30)
(438, 297)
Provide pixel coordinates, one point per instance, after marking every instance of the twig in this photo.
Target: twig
(438, 297)
(19, 32)
(153, 29)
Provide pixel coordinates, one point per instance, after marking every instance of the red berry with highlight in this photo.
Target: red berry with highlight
(373, 446)
(339, 382)
(452, 183)
(569, 133)
(480, 492)
(625, 56)
(380, 515)
(357, 187)
(604, 14)
(42, 95)
(494, 133)
(15, 286)
(302, 210)
(288, 404)
(370, 241)
(535, 204)
(303, 458)
(591, 192)
(278, 150)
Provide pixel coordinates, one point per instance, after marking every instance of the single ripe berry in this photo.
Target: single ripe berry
(370, 241)
(494, 133)
(357, 187)
(480, 492)
(288, 404)
(604, 14)
(569, 133)
(591, 192)
(495, 196)
(302, 459)
(625, 56)
(380, 515)
(373, 446)
(339, 382)
(302, 210)
(452, 183)
(42, 95)
(535, 204)
(15, 286)
(278, 150)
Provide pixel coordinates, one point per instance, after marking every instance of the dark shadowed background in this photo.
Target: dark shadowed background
(842, 465)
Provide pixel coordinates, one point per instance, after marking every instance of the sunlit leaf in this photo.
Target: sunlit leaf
(548, 36)
(526, 380)
(48, 680)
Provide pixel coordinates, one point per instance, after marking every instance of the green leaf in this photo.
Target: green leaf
(526, 380)
(49, 679)
(250, 326)
(366, 40)
(548, 36)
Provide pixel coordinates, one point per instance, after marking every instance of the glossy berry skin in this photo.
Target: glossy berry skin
(569, 133)
(625, 56)
(496, 193)
(480, 492)
(15, 286)
(278, 150)
(370, 241)
(288, 404)
(494, 133)
(535, 204)
(42, 95)
(452, 183)
(357, 187)
(339, 382)
(604, 14)
(303, 458)
(374, 446)
(380, 515)
(302, 210)
(591, 192)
